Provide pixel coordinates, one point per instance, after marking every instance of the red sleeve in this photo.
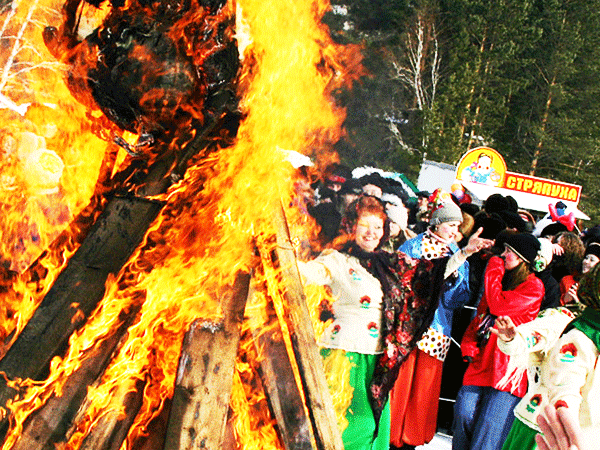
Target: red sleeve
(565, 284)
(521, 304)
(468, 344)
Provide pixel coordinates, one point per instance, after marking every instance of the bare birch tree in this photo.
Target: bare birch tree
(416, 63)
(24, 55)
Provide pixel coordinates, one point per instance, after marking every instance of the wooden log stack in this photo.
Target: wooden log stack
(196, 418)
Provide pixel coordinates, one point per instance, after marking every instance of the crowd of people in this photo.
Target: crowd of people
(401, 267)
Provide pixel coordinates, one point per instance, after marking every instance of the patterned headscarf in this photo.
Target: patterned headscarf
(589, 288)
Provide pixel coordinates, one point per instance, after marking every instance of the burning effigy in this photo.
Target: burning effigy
(152, 67)
(149, 297)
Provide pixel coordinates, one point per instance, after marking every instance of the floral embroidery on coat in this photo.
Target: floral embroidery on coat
(568, 352)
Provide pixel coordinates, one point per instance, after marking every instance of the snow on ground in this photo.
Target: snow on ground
(440, 442)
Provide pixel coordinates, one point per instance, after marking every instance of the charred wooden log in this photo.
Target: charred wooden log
(49, 425)
(154, 437)
(205, 376)
(281, 388)
(81, 285)
(319, 402)
(111, 430)
(78, 289)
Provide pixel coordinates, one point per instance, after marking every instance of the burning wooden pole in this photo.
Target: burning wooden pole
(78, 289)
(310, 365)
(277, 375)
(205, 376)
(112, 429)
(49, 425)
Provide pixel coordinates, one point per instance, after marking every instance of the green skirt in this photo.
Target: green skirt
(356, 369)
(521, 437)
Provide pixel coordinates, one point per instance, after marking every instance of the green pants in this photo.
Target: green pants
(359, 433)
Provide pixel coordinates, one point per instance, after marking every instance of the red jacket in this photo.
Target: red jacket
(521, 305)
(565, 284)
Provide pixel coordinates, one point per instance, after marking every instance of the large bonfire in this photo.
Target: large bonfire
(191, 107)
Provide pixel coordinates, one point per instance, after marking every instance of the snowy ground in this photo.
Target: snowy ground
(440, 442)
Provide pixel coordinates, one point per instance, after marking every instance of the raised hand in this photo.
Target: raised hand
(476, 243)
(504, 328)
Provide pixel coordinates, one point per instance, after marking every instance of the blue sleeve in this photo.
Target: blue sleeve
(457, 292)
(412, 247)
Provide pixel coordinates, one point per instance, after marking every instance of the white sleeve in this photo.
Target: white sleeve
(570, 361)
(515, 347)
(453, 263)
(319, 271)
(540, 334)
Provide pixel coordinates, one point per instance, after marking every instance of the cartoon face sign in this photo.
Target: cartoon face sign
(481, 171)
(484, 163)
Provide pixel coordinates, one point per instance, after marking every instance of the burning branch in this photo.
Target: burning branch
(205, 376)
(310, 365)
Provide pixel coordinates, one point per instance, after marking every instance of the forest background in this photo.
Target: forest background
(445, 76)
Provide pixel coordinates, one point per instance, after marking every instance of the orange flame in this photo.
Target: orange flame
(50, 162)
(211, 221)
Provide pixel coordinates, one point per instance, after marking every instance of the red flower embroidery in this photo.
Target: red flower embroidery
(536, 400)
(375, 390)
(569, 349)
(403, 337)
(336, 329)
(403, 317)
(365, 301)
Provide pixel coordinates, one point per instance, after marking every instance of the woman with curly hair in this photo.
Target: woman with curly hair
(383, 304)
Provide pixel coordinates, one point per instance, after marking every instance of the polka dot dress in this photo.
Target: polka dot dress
(434, 344)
